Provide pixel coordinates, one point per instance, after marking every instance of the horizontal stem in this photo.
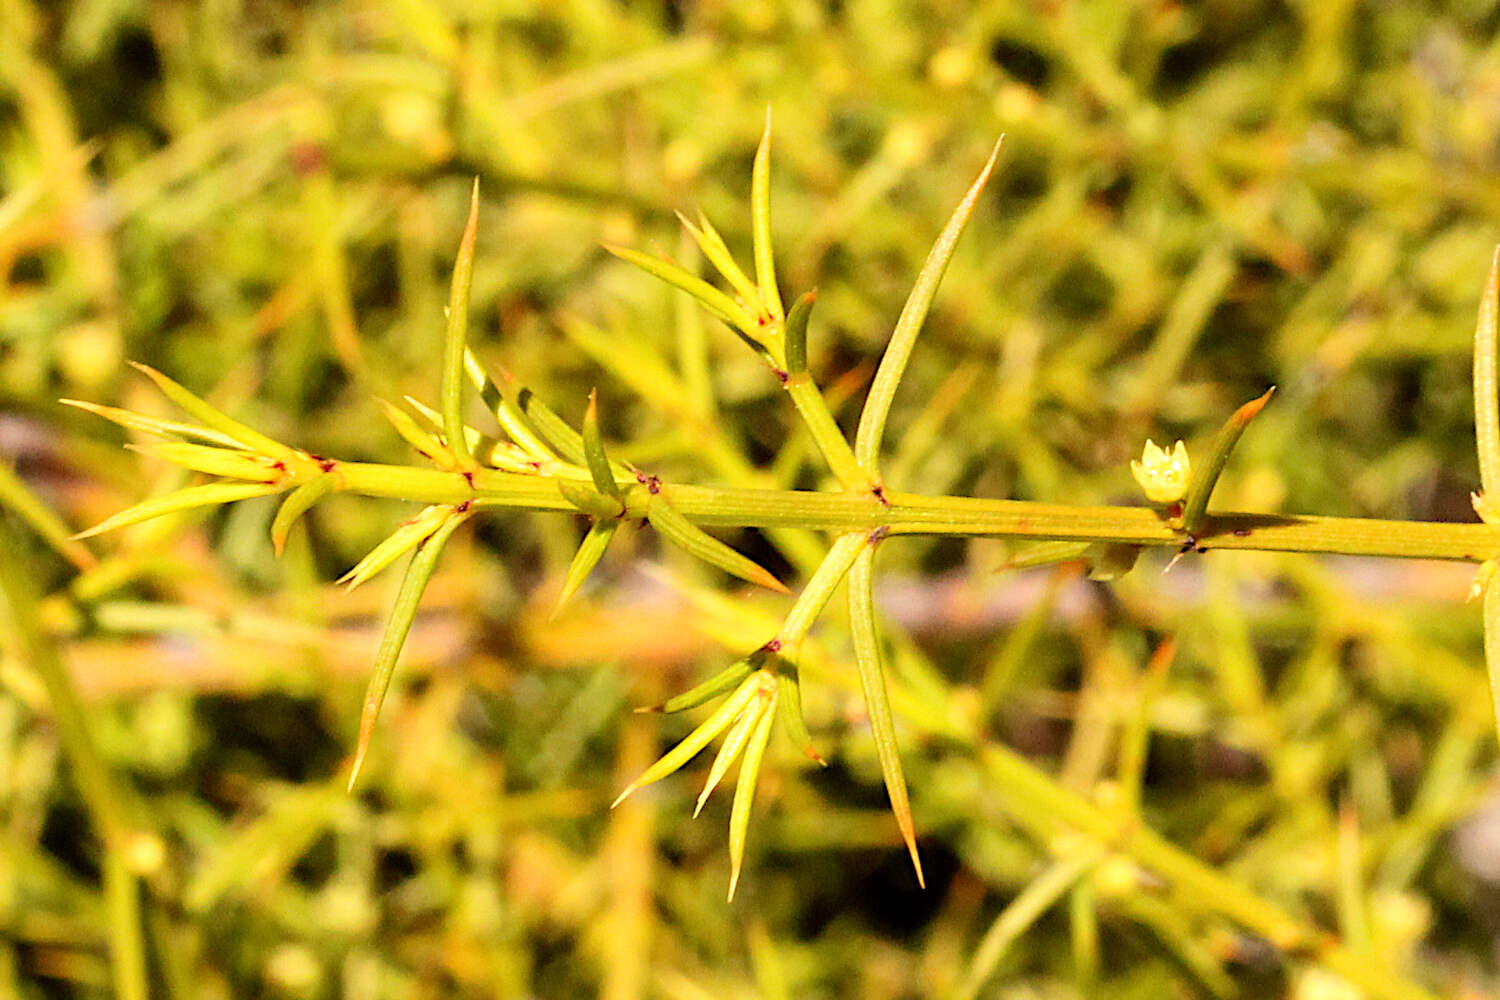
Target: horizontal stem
(912, 514)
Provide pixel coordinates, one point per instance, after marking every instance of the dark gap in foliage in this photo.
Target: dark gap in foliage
(1116, 192)
(271, 733)
(376, 278)
(1021, 61)
(888, 897)
(674, 15)
(115, 90)
(68, 835)
(316, 865)
(1082, 291)
(28, 269)
(393, 867)
(759, 548)
(942, 554)
(547, 37)
(855, 132)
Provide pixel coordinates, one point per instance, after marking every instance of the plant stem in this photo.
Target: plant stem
(912, 514)
(825, 432)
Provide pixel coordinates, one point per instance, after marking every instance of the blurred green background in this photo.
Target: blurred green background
(1193, 202)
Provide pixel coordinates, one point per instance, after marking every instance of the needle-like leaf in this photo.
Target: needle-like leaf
(1195, 505)
(744, 795)
(593, 450)
(179, 500)
(403, 613)
(760, 216)
(734, 743)
(238, 433)
(717, 252)
(406, 537)
(710, 689)
(715, 301)
(499, 396)
(590, 551)
(697, 739)
(424, 443)
(791, 710)
(155, 425)
(231, 464)
(456, 336)
(18, 497)
(695, 541)
(867, 655)
(297, 503)
(796, 333)
(893, 363)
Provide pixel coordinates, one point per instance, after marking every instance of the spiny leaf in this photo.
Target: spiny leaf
(867, 655)
(1023, 554)
(707, 691)
(593, 450)
(717, 252)
(179, 500)
(1111, 560)
(715, 301)
(760, 216)
(697, 739)
(791, 710)
(744, 795)
(455, 337)
(215, 461)
(485, 449)
(1195, 505)
(913, 314)
(242, 436)
(403, 613)
(424, 443)
(695, 541)
(590, 501)
(155, 425)
(526, 418)
(590, 551)
(734, 743)
(297, 503)
(499, 396)
(796, 333)
(406, 537)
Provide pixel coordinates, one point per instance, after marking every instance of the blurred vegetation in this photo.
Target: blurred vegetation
(1192, 202)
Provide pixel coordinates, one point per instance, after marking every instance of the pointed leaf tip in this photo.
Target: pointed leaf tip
(593, 450)
(590, 551)
(868, 658)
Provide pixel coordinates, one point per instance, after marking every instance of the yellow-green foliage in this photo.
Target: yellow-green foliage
(1263, 773)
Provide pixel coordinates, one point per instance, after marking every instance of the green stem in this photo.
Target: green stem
(817, 592)
(912, 514)
(813, 409)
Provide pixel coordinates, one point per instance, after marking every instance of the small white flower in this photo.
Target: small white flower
(1163, 476)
